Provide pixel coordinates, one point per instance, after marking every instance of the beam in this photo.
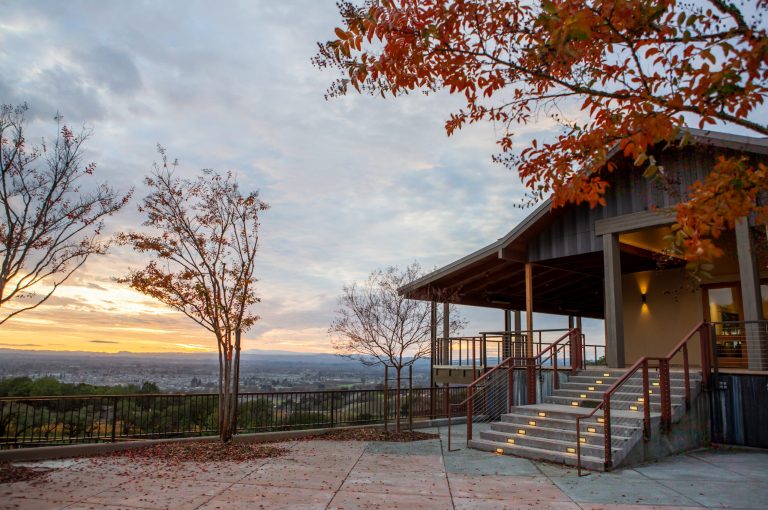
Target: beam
(757, 348)
(529, 308)
(634, 221)
(506, 348)
(614, 309)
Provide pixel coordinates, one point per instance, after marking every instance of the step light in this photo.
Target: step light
(521, 432)
(583, 439)
(542, 415)
(655, 383)
(591, 388)
(500, 451)
(570, 450)
(650, 392)
(640, 399)
(592, 430)
(599, 381)
(633, 408)
(606, 374)
(575, 403)
(532, 423)
(601, 420)
(582, 395)
(511, 441)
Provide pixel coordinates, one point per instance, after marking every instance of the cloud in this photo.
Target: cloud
(355, 183)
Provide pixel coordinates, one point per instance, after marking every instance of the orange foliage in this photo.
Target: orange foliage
(638, 70)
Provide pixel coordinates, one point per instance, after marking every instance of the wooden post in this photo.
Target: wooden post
(432, 358)
(614, 309)
(529, 308)
(757, 345)
(447, 332)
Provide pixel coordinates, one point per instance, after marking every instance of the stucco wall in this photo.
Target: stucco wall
(673, 307)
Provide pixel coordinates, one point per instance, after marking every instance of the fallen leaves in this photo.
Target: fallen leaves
(202, 451)
(371, 434)
(10, 473)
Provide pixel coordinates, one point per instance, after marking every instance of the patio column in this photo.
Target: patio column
(529, 308)
(446, 333)
(434, 355)
(757, 348)
(614, 303)
(518, 345)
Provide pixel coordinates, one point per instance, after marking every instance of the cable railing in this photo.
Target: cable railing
(497, 385)
(491, 348)
(49, 421)
(663, 386)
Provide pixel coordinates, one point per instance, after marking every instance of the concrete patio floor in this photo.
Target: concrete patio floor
(420, 475)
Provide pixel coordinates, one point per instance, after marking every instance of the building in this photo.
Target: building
(612, 263)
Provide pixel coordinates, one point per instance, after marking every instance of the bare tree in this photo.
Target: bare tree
(203, 240)
(49, 223)
(376, 325)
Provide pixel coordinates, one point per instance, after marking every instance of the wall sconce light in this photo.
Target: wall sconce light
(644, 298)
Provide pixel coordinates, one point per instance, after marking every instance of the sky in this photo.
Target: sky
(354, 183)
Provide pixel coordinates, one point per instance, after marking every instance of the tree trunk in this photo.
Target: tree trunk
(235, 385)
(225, 403)
(398, 409)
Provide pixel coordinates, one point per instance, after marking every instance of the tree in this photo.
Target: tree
(203, 238)
(639, 69)
(50, 223)
(376, 325)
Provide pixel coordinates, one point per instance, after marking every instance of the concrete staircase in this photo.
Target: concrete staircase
(547, 431)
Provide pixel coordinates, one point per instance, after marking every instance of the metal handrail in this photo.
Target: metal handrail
(529, 366)
(664, 385)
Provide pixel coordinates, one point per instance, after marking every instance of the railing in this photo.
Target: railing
(492, 393)
(45, 421)
(491, 348)
(644, 364)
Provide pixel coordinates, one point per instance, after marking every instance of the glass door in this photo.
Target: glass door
(723, 305)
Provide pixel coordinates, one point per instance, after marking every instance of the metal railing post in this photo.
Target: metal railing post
(687, 377)
(114, 419)
(646, 403)
(470, 409)
(607, 439)
(474, 364)
(666, 404)
(510, 387)
(530, 370)
(410, 397)
(386, 398)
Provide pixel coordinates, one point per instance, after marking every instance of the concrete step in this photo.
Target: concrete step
(568, 412)
(515, 421)
(593, 463)
(569, 436)
(616, 404)
(594, 448)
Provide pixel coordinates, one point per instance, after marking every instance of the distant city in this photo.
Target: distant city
(260, 371)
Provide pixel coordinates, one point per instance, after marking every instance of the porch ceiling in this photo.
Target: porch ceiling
(564, 286)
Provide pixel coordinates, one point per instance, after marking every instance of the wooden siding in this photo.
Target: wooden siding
(572, 228)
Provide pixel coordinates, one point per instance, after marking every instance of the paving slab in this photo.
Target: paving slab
(477, 503)
(160, 493)
(398, 482)
(248, 497)
(687, 467)
(475, 462)
(508, 488)
(633, 490)
(744, 494)
(355, 500)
